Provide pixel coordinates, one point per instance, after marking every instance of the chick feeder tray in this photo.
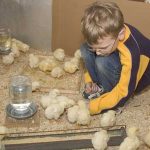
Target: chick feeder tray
(21, 105)
(62, 140)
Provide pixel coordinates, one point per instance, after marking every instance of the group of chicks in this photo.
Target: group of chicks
(131, 142)
(56, 104)
(77, 112)
(16, 47)
(52, 63)
(147, 1)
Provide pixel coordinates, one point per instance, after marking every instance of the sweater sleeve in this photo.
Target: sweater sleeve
(125, 87)
(87, 77)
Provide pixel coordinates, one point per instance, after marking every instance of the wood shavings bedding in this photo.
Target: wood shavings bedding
(71, 82)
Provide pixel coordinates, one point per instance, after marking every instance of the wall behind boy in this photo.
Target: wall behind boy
(29, 21)
(67, 15)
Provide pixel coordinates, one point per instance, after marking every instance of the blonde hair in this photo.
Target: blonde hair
(101, 19)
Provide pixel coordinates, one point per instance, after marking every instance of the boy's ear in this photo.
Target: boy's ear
(121, 34)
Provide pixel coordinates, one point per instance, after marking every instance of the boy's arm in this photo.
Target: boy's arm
(126, 85)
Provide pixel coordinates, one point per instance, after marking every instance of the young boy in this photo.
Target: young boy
(116, 56)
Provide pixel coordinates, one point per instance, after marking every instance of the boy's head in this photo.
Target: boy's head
(101, 20)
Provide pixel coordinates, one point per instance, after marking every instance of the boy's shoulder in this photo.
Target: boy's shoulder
(133, 30)
(131, 27)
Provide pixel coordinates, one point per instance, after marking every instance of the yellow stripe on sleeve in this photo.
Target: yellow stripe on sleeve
(87, 77)
(110, 99)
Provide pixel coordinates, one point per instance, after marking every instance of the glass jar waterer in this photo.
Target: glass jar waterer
(5, 40)
(20, 92)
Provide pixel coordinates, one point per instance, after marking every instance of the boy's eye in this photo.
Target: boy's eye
(103, 47)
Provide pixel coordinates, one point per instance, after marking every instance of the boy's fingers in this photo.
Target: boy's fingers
(94, 87)
(91, 88)
(88, 88)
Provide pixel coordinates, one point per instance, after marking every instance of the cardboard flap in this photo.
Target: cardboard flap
(66, 29)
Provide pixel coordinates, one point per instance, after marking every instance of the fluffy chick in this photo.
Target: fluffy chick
(70, 67)
(59, 54)
(57, 72)
(147, 1)
(132, 131)
(147, 139)
(131, 142)
(35, 85)
(54, 92)
(77, 54)
(47, 65)
(100, 140)
(54, 111)
(33, 61)
(8, 59)
(45, 101)
(22, 46)
(49, 99)
(84, 117)
(82, 104)
(65, 101)
(108, 118)
(72, 113)
(15, 49)
(75, 61)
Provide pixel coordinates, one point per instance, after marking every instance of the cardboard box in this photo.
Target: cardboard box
(67, 15)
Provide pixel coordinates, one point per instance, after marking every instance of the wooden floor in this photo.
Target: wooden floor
(136, 113)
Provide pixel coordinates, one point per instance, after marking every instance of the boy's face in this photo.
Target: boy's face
(104, 46)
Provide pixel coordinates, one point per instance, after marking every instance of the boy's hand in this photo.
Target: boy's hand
(91, 88)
